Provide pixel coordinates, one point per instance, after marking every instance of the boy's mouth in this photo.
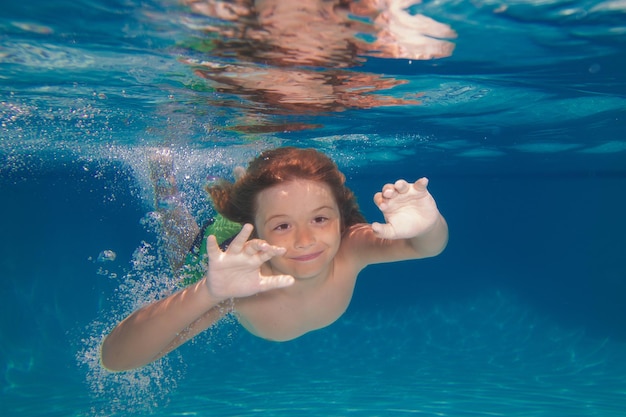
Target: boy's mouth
(308, 257)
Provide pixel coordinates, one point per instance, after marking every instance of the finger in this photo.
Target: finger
(212, 247)
(253, 246)
(381, 202)
(421, 184)
(392, 190)
(383, 231)
(240, 240)
(378, 198)
(401, 186)
(261, 247)
(266, 256)
(388, 190)
(275, 281)
(389, 193)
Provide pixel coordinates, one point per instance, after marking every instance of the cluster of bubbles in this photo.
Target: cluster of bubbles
(140, 390)
(149, 278)
(145, 388)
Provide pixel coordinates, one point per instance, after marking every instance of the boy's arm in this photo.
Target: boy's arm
(160, 327)
(414, 228)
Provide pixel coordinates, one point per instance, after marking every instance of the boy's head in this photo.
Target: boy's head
(238, 201)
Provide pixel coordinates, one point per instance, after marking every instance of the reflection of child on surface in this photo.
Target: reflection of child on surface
(293, 267)
(321, 32)
(298, 56)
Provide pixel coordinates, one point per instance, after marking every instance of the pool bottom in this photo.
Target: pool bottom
(486, 357)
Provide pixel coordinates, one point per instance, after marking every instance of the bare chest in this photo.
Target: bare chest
(289, 313)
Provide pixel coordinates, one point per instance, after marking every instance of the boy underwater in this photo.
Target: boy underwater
(293, 266)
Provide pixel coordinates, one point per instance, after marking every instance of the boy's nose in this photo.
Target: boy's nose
(304, 238)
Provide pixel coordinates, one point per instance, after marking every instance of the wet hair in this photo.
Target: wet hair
(237, 201)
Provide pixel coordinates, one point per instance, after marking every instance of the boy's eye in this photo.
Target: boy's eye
(321, 219)
(283, 226)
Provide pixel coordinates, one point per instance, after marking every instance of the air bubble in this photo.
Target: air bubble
(107, 256)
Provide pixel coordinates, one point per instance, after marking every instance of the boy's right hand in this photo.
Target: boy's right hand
(236, 272)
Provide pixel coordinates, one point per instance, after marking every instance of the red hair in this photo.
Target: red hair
(237, 201)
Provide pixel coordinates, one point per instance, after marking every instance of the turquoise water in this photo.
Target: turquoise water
(520, 128)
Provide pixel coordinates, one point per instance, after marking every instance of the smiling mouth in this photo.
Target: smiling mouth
(308, 257)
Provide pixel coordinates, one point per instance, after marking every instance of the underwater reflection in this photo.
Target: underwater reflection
(299, 57)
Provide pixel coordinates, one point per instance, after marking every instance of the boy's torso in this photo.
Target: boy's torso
(287, 313)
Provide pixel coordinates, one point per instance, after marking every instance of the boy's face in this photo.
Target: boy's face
(303, 217)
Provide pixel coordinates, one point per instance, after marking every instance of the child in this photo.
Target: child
(293, 266)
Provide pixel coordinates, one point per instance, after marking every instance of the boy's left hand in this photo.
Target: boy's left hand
(409, 210)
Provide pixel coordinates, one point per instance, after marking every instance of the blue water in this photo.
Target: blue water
(521, 130)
